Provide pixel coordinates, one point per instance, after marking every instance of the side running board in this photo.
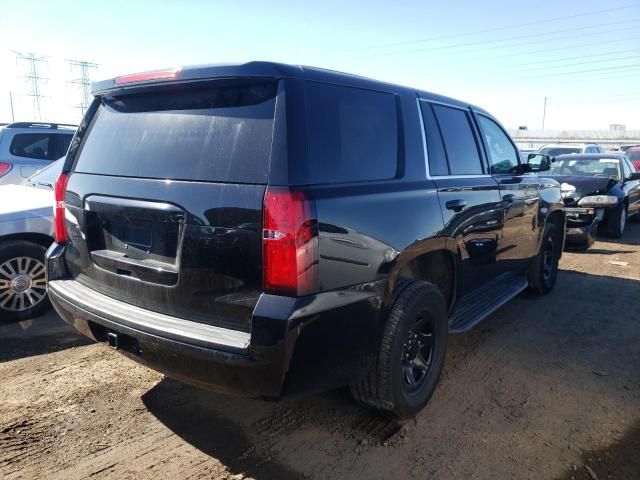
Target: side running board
(478, 305)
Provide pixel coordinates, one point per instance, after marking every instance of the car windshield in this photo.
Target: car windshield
(592, 167)
(635, 155)
(554, 151)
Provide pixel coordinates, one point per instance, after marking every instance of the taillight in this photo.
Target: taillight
(4, 168)
(289, 243)
(59, 224)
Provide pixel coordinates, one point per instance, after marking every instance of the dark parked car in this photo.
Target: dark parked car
(625, 148)
(599, 190)
(264, 229)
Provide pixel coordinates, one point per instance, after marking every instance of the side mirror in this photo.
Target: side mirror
(634, 176)
(539, 162)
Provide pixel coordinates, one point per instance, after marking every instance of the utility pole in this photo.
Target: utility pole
(13, 118)
(544, 112)
(84, 81)
(34, 78)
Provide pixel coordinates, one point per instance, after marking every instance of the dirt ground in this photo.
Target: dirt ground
(545, 388)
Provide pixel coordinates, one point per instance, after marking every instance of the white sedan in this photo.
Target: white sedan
(26, 231)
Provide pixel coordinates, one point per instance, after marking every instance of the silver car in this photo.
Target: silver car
(26, 231)
(27, 147)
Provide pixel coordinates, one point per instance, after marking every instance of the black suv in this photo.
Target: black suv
(265, 229)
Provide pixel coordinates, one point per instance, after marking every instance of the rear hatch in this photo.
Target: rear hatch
(164, 200)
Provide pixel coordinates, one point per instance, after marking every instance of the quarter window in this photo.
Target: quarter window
(352, 135)
(503, 156)
(459, 140)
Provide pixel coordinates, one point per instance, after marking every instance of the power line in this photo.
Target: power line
(546, 50)
(519, 37)
(34, 78)
(597, 76)
(548, 63)
(84, 81)
(591, 97)
(577, 72)
(563, 65)
(507, 27)
(637, 50)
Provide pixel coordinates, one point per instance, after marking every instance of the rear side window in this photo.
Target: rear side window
(352, 135)
(40, 146)
(459, 140)
(503, 156)
(219, 132)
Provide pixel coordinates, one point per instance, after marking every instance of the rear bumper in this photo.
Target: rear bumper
(202, 355)
(333, 335)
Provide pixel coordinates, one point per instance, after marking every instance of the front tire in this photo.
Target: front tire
(543, 272)
(411, 353)
(23, 293)
(616, 221)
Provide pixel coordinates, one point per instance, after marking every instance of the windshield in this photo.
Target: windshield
(591, 167)
(555, 151)
(634, 155)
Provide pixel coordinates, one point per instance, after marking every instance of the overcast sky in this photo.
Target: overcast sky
(506, 56)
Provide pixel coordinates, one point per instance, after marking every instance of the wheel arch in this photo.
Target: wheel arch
(437, 266)
(558, 218)
(39, 238)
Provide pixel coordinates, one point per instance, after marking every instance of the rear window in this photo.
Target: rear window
(555, 151)
(40, 146)
(352, 135)
(219, 132)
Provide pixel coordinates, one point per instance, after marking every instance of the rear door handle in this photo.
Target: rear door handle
(509, 197)
(456, 205)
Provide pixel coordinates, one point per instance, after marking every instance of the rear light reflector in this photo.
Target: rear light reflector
(4, 168)
(59, 209)
(168, 74)
(289, 243)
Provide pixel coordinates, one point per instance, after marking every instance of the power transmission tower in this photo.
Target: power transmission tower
(33, 77)
(84, 81)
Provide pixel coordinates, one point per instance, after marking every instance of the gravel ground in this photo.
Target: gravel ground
(545, 388)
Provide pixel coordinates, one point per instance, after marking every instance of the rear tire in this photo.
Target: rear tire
(23, 292)
(616, 221)
(411, 355)
(543, 271)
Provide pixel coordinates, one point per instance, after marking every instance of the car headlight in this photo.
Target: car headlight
(598, 201)
(567, 190)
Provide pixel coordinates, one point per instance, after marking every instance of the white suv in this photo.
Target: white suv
(26, 147)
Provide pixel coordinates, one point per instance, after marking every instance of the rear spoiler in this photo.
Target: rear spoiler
(191, 73)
